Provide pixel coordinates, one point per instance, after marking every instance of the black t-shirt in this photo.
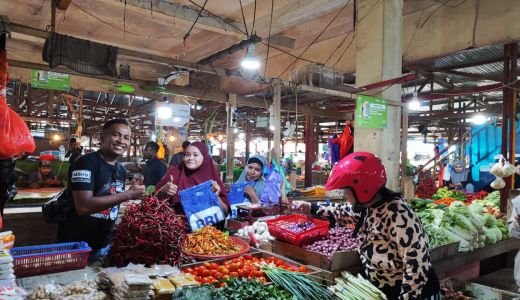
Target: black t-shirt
(154, 171)
(92, 173)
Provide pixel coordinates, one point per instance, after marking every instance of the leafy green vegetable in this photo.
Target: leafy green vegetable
(242, 289)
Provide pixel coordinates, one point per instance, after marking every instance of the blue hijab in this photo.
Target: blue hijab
(458, 177)
(258, 185)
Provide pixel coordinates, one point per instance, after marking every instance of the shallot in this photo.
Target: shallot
(340, 239)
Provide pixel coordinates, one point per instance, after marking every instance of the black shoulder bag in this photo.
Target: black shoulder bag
(56, 209)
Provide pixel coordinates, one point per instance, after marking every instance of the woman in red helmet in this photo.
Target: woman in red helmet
(393, 247)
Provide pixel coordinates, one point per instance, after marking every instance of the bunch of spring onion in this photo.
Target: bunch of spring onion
(350, 287)
(302, 286)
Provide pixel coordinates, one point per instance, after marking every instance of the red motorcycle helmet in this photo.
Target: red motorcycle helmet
(363, 172)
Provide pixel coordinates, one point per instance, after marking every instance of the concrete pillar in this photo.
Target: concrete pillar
(378, 58)
(230, 137)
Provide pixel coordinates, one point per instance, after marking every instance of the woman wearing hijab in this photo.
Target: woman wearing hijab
(197, 167)
(253, 174)
(458, 176)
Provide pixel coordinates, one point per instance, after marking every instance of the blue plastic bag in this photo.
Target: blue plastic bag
(237, 197)
(201, 206)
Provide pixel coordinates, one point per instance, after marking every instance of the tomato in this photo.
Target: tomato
(262, 279)
(279, 262)
(249, 278)
(188, 270)
(206, 264)
(225, 277)
(206, 273)
(233, 274)
(233, 267)
(215, 274)
(271, 259)
(198, 278)
(249, 257)
(302, 269)
(213, 266)
(205, 280)
(223, 284)
(223, 270)
(210, 278)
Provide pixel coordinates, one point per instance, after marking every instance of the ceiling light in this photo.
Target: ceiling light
(153, 137)
(198, 107)
(241, 135)
(478, 119)
(414, 104)
(452, 149)
(56, 137)
(164, 112)
(250, 62)
(251, 121)
(171, 138)
(176, 119)
(271, 127)
(235, 130)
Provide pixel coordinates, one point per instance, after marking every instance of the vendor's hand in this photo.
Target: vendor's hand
(227, 187)
(215, 188)
(303, 207)
(135, 191)
(169, 188)
(249, 190)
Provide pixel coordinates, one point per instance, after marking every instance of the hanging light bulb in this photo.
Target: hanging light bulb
(241, 135)
(250, 62)
(164, 112)
(414, 104)
(56, 137)
(171, 138)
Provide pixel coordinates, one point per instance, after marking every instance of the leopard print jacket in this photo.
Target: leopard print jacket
(393, 246)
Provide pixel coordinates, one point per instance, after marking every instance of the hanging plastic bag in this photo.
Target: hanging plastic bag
(498, 168)
(16, 137)
(201, 206)
(236, 197)
(508, 169)
(498, 184)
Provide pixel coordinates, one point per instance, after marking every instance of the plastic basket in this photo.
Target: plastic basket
(45, 259)
(276, 229)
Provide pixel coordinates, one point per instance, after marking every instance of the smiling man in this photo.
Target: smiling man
(97, 187)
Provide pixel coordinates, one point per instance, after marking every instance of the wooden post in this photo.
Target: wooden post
(230, 137)
(248, 141)
(508, 117)
(277, 120)
(308, 149)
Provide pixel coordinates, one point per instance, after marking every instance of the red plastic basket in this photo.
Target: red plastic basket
(297, 238)
(45, 259)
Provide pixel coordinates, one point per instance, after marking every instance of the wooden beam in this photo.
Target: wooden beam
(281, 40)
(277, 122)
(182, 14)
(309, 155)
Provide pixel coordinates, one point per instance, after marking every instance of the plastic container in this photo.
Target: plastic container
(53, 258)
(276, 229)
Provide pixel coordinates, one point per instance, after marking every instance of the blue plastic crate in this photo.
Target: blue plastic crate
(53, 258)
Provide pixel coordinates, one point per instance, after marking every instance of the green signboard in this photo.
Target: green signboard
(371, 112)
(50, 80)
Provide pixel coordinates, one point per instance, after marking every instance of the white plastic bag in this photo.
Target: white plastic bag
(517, 270)
(498, 184)
(508, 169)
(498, 168)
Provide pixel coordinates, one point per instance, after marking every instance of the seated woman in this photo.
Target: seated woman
(197, 167)
(253, 174)
(458, 176)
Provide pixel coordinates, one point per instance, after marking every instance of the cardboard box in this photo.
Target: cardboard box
(340, 261)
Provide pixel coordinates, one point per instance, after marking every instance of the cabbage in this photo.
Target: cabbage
(461, 232)
(476, 208)
(491, 237)
(490, 220)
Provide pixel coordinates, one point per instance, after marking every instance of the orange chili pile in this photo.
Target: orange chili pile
(210, 241)
(446, 201)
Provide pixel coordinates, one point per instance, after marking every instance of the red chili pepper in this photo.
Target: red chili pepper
(149, 233)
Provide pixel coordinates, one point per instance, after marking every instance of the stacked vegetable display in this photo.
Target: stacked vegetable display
(349, 287)
(470, 224)
(339, 239)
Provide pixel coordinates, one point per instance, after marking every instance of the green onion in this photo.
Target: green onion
(300, 285)
(350, 287)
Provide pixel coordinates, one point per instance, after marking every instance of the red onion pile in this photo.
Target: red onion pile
(299, 227)
(340, 239)
(149, 233)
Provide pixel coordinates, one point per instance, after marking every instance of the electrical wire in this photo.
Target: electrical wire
(442, 4)
(243, 17)
(254, 20)
(269, 37)
(219, 17)
(344, 51)
(195, 22)
(477, 6)
(315, 39)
